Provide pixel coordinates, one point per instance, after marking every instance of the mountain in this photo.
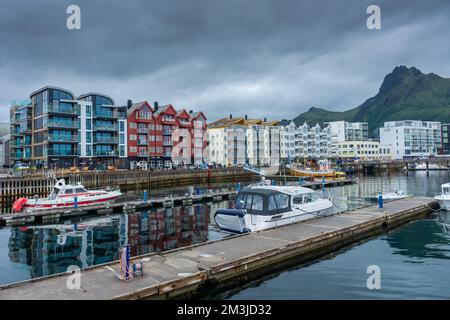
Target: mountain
(405, 94)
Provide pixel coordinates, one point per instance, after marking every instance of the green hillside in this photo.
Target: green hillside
(405, 94)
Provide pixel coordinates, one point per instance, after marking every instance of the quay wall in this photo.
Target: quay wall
(12, 188)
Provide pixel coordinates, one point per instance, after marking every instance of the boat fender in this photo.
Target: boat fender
(19, 204)
(231, 212)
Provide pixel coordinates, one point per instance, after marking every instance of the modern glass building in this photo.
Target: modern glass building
(102, 129)
(55, 129)
(20, 130)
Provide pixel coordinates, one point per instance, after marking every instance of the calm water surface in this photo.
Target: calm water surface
(414, 259)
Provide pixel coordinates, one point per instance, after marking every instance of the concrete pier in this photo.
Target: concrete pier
(215, 265)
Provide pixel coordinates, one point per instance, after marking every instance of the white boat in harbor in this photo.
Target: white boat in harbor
(444, 197)
(398, 194)
(263, 207)
(63, 196)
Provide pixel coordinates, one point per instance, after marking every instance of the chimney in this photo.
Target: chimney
(190, 111)
(155, 105)
(129, 103)
(231, 116)
(246, 117)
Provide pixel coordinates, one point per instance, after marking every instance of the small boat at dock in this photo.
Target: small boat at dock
(297, 172)
(263, 207)
(444, 197)
(64, 196)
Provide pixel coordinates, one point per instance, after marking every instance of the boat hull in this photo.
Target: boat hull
(44, 204)
(238, 221)
(317, 174)
(444, 202)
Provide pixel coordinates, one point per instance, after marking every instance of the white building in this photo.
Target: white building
(313, 142)
(287, 139)
(239, 141)
(364, 150)
(412, 138)
(349, 131)
(5, 151)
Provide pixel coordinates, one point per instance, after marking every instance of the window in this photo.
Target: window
(257, 204)
(298, 200)
(248, 203)
(282, 200)
(272, 204)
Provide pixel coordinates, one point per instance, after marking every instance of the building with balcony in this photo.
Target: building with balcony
(313, 141)
(412, 138)
(20, 131)
(239, 141)
(103, 130)
(56, 129)
(445, 139)
(348, 131)
(287, 140)
(160, 137)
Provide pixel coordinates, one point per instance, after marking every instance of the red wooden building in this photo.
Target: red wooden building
(161, 137)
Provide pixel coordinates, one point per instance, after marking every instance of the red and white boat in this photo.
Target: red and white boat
(63, 196)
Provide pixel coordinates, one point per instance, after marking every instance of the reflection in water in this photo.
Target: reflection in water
(43, 250)
(422, 240)
(52, 248)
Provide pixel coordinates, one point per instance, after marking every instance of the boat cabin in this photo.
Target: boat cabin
(270, 201)
(61, 189)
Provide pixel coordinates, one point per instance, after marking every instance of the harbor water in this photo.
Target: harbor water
(414, 259)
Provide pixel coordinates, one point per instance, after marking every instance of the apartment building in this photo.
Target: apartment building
(313, 142)
(363, 150)
(287, 139)
(412, 138)
(102, 130)
(239, 141)
(57, 129)
(348, 131)
(445, 139)
(160, 137)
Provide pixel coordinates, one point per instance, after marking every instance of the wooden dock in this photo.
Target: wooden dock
(129, 203)
(204, 268)
(121, 205)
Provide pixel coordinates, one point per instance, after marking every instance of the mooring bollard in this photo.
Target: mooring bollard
(380, 200)
(273, 182)
(75, 202)
(323, 184)
(300, 181)
(238, 187)
(145, 196)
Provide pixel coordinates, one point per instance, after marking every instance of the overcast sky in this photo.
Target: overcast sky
(271, 59)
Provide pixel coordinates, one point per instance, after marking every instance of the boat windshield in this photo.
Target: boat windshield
(445, 190)
(305, 198)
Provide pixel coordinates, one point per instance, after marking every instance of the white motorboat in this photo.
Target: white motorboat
(64, 195)
(444, 197)
(398, 194)
(263, 207)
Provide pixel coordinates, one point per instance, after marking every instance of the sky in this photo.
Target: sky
(263, 58)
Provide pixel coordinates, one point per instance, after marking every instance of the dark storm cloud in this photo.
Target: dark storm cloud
(265, 58)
